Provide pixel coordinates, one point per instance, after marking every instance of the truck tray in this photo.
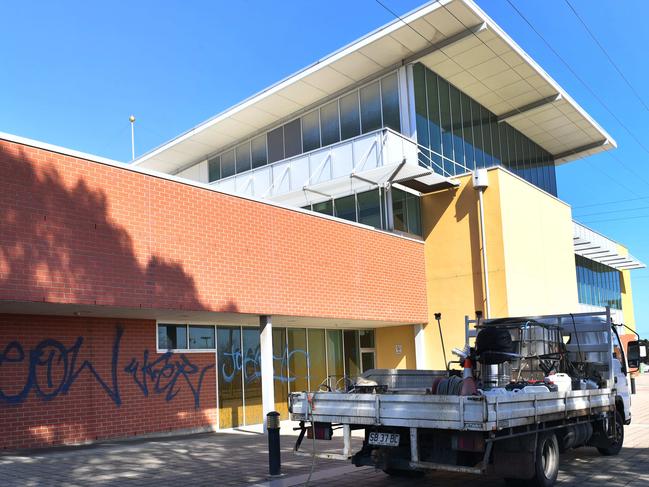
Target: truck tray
(474, 413)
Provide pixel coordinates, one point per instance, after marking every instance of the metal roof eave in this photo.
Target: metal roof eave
(187, 148)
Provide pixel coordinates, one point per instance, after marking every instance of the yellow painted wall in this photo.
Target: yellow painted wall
(540, 267)
(627, 293)
(386, 339)
(451, 223)
(529, 250)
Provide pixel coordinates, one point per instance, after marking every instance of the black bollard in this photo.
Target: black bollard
(274, 454)
(632, 385)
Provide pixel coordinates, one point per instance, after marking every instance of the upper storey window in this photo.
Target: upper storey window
(458, 135)
(362, 110)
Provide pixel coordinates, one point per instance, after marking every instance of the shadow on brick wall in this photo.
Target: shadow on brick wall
(59, 244)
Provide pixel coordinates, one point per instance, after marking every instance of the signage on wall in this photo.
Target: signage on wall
(398, 349)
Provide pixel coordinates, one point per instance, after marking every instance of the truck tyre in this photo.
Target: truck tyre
(615, 445)
(546, 465)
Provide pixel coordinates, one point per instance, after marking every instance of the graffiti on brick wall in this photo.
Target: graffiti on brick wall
(52, 369)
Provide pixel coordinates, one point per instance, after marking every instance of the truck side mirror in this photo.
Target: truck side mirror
(637, 353)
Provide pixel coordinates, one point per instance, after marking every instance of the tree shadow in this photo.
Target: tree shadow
(58, 243)
(61, 243)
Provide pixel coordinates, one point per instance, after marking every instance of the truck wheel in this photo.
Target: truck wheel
(397, 472)
(546, 465)
(615, 445)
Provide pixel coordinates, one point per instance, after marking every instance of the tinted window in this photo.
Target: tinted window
(346, 208)
(370, 107)
(390, 102)
(201, 337)
(276, 144)
(325, 207)
(329, 123)
(227, 164)
(369, 208)
(292, 138)
(350, 121)
(243, 157)
(311, 131)
(172, 337)
(258, 149)
(214, 168)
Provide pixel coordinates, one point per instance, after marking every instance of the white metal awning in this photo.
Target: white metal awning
(597, 247)
(454, 38)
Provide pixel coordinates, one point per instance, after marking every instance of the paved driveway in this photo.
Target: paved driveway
(240, 459)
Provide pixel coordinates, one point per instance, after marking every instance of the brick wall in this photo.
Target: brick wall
(57, 384)
(77, 231)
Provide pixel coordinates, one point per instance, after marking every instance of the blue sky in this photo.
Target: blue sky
(74, 71)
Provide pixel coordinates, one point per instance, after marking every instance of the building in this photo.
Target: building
(305, 235)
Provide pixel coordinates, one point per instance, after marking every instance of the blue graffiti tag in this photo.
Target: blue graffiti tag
(50, 354)
(53, 370)
(233, 362)
(164, 372)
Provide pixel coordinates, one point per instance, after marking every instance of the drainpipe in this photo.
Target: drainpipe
(480, 184)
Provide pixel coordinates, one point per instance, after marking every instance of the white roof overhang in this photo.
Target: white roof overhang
(597, 247)
(454, 38)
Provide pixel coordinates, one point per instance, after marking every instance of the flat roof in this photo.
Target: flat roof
(454, 38)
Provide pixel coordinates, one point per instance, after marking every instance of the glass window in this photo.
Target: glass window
(172, 337)
(406, 212)
(330, 123)
(485, 116)
(366, 338)
(326, 207)
(346, 207)
(317, 359)
(280, 371)
(335, 364)
(292, 138)
(275, 141)
(258, 149)
(458, 141)
(227, 164)
(251, 367)
(229, 362)
(367, 361)
(390, 102)
(311, 131)
(370, 107)
(214, 169)
(447, 124)
(421, 112)
(350, 121)
(369, 208)
(297, 360)
(201, 337)
(467, 122)
(434, 126)
(243, 157)
(352, 353)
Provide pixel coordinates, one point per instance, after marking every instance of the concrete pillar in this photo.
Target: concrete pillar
(420, 347)
(267, 384)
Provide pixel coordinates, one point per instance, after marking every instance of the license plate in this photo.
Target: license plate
(383, 439)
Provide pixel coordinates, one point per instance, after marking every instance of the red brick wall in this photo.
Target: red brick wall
(72, 406)
(76, 231)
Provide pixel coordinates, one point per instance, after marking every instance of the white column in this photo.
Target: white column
(420, 347)
(266, 346)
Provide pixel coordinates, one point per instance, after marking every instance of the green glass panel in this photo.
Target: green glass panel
(317, 358)
(346, 207)
(330, 123)
(335, 364)
(229, 362)
(280, 371)
(352, 353)
(326, 207)
(390, 102)
(350, 120)
(370, 107)
(297, 360)
(369, 208)
(311, 131)
(214, 169)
